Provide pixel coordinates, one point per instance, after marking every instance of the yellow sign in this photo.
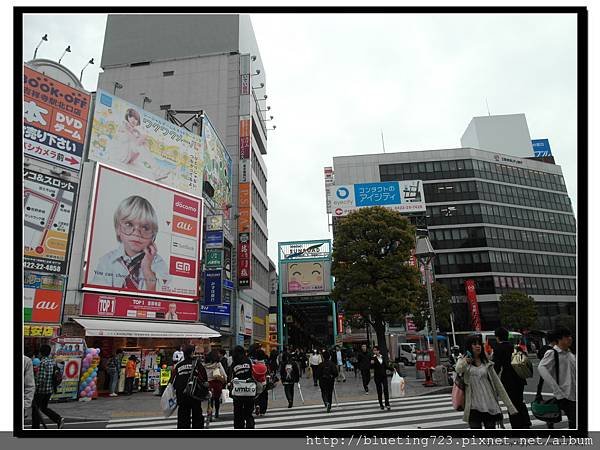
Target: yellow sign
(165, 376)
(38, 331)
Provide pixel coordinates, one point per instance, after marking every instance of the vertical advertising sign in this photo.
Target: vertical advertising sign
(144, 238)
(473, 305)
(213, 286)
(47, 221)
(42, 298)
(244, 260)
(55, 118)
(127, 137)
(245, 211)
(328, 183)
(217, 168)
(245, 314)
(68, 354)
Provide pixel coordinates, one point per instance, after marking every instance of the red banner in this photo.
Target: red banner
(473, 306)
(102, 305)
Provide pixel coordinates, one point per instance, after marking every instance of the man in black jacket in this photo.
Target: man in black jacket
(364, 364)
(512, 382)
(379, 364)
(188, 408)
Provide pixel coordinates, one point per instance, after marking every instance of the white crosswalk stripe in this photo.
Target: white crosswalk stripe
(432, 411)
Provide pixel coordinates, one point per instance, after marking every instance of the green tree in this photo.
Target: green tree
(441, 304)
(518, 311)
(371, 251)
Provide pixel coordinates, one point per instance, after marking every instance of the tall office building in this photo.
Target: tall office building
(503, 221)
(176, 66)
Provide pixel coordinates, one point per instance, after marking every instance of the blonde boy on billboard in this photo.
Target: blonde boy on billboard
(135, 264)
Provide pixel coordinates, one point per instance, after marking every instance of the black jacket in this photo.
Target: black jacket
(364, 360)
(502, 358)
(328, 367)
(181, 374)
(241, 370)
(379, 369)
(294, 374)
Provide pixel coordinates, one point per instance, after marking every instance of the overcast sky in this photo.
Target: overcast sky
(335, 81)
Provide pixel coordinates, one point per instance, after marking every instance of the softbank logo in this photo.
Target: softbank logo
(186, 206)
(182, 267)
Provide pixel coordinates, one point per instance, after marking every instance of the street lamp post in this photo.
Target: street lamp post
(424, 251)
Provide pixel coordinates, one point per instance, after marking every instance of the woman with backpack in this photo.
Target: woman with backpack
(482, 387)
(216, 379)
(241, 369)
(290, 374)
(327, 372)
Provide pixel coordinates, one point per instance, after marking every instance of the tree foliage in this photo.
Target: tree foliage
(371, 251)
(441, 304)
(518, 311)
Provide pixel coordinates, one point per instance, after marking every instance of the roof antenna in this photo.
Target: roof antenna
(382, 142)
(488, 107)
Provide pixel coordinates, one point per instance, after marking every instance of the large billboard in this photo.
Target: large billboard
(47, 219)
(105, 305)
(42, 298)
(402, 196)
(55, 120)
(127, 137)
(137, 232)
(217, 169)
(305, 267)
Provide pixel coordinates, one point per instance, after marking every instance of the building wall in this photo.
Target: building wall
(200, 72)
(505, 134)
(503, 221)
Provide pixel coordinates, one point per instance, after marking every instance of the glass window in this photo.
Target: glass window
(448, 235)
(437, 166)
(468, 164)
(476, 258)
(421, 167)
(451, 259)
(455, 234)
(429, 167)
(445, 166)
(452, 164)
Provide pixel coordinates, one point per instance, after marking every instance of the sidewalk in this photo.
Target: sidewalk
(146, 404)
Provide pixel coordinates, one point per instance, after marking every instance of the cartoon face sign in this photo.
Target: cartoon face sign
(305, 276)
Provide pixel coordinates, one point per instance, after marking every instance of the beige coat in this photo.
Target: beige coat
(463, 368)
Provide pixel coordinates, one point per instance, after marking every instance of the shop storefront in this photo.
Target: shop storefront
(152, 343)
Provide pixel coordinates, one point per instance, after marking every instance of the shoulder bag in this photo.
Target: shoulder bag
(546, 410)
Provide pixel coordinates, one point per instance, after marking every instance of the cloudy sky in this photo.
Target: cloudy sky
(335, 81)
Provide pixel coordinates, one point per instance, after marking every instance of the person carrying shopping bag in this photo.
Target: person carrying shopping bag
(216, 380)
(482, 387)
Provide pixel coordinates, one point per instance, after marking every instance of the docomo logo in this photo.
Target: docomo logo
(182, 267)
(187, 206)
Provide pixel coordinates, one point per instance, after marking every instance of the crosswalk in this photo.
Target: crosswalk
(409, 413)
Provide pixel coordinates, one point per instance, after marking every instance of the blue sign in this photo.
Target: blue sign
(541, 147)
(214, 239)
(228, 284)
(212, 287)
(377, 194)
(220, 310)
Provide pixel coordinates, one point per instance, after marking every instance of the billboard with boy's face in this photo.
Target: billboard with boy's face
(127, 137)
(144, 238)
(217, 168)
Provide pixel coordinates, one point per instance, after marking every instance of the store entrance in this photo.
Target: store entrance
(308, 324)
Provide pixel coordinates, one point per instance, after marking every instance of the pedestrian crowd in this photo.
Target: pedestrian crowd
(247, 375)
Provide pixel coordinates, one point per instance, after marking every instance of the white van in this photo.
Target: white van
(407, 353)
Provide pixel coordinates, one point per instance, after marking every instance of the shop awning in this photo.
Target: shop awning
(130, 328)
